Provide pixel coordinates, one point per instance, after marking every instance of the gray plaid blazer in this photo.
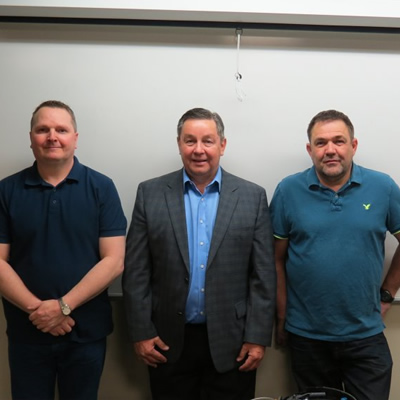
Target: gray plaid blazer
(240, 275)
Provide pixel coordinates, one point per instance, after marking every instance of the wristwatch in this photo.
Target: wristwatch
(64, 307)
(386, 296)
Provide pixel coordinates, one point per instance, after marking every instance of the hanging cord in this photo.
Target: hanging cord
(239, 90)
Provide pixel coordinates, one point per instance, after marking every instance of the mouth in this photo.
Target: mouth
(331, 162)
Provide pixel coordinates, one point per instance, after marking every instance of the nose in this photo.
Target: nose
(199, 147)
(51, 135)
(330, 148)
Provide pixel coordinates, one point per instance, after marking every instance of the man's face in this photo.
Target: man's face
(331, 150)
(53, 137)
(200, 148)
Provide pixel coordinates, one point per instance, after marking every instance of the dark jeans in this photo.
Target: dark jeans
(194, 376)
(76, 367)
(363, 367)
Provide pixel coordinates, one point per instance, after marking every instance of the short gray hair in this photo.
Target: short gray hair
(202, 113)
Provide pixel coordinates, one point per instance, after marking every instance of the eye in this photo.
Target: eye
(41, 130)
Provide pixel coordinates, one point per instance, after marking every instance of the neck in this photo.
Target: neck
(54, 173)
(201, 184)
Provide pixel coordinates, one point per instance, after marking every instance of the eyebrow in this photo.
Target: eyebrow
(340, 136)
(41, 126)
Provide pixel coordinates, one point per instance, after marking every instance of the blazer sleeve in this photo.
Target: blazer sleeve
(136, 278)
(262, 280)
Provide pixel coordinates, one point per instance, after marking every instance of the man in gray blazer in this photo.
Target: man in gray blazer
(199, 282)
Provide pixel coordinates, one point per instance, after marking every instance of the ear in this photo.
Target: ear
(223, 146)
(354, 144)
(178, 143)
(308, 147)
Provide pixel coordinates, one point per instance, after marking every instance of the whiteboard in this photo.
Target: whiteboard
(129, 85)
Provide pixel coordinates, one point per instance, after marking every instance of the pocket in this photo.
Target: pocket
(241, 309)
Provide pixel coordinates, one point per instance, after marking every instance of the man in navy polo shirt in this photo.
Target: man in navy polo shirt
(62, 243)
(330, 223)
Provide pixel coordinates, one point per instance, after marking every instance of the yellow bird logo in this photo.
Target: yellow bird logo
(367, 206)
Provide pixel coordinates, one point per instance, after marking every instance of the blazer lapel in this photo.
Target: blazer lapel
(176, 209)
(229, 197)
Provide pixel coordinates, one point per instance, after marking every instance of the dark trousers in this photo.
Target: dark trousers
(363, 367)
(76, 367)
(194, 376)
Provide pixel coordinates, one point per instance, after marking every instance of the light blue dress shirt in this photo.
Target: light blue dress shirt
(201, 211)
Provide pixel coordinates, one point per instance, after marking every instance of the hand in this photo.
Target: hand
(254, 353)
(47, 316)
(147, 352)
(65, 327)
(281, 335)
(384, 308)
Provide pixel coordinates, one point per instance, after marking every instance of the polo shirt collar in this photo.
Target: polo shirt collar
(34, 179)
(356, 176)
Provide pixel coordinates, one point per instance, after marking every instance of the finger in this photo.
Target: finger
(242, 354)
(148, 360)
(249, 364)
(159, 343)
(67, 329)
(150, 364)
(56, 332)
(156, 357)
(246, 366)
(152, 358)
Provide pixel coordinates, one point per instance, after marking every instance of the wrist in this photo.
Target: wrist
(386, 296)
(65, 308)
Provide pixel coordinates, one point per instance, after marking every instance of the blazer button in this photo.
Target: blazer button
(187, 280)
(180, 313)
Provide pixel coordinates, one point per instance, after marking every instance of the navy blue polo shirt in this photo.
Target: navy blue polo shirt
(54, 234)
(335, 251)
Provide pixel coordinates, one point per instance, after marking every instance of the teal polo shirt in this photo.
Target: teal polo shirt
(335, 251)
(54, 234)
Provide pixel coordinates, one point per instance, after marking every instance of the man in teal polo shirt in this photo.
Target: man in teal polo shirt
(330, 223)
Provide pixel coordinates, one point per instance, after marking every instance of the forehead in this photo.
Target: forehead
(326, 129)
(199, 127)
(52, 115)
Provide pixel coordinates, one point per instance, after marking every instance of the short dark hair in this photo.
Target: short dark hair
(202, 113)
(330, 115)
(54, 104)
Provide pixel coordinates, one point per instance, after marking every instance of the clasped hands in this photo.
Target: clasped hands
(47, 317)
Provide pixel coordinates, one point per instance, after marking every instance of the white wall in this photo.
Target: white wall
(129, 86)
